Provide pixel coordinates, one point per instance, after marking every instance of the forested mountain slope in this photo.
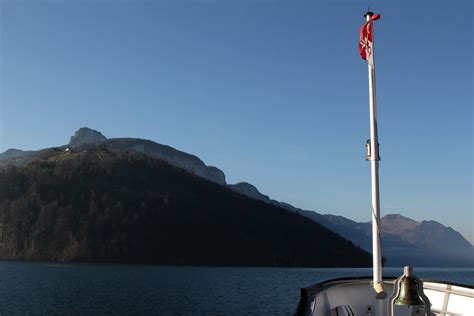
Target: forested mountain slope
(103, 206)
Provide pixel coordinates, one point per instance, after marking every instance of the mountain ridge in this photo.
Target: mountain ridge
(398, 231)
(423, 243)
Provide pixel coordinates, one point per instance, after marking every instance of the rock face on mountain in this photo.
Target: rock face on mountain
(249, 190)
(398, 224)
(173, 156)
(86, 135)
(86, 138)
(101, 205)
(214, 174)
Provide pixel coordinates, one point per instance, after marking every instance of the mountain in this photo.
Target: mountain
(86, 135)
(426, 243)
(345, 227)
(87, 138)
(103, 205)
(12, 154)
(404, 240)
(250, 190)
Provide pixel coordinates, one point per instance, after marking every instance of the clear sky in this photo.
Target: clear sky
(272, 92)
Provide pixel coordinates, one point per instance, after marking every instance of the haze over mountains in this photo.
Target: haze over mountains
(405, 241)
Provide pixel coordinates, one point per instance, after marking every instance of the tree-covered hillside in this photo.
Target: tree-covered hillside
(103, 206)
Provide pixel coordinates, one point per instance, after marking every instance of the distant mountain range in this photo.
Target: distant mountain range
(404, 241)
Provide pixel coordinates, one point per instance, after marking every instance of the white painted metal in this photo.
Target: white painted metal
(446, 299)
(374, 166)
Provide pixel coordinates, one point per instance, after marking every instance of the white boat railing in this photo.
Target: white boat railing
(322, 299)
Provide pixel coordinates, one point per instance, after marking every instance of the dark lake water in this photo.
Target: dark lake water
(78, 289)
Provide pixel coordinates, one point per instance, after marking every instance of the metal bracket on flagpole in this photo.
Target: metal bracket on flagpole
(368, 145)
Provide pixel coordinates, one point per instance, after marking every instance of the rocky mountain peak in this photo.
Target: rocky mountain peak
(249, 190)
(397, 224)
(86, 135)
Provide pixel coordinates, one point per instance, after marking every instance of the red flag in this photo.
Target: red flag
(366, 40)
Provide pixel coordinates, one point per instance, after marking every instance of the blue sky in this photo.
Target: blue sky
(272, 92)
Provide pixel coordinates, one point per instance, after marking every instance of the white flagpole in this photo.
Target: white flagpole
(374, 164)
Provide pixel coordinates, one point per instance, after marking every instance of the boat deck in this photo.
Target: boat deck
(355, 296)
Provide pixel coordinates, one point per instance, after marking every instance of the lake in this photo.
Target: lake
(73, 289)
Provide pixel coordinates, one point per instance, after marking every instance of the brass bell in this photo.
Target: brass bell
(408, 291)
(408, 294)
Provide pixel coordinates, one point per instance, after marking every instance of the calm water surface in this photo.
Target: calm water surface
(78, 289)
